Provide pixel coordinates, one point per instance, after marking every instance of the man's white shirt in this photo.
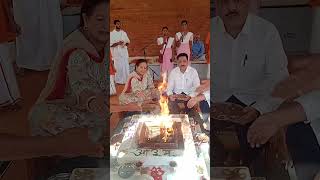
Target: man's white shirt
(207, 96)
(249, 66)
(186, 82)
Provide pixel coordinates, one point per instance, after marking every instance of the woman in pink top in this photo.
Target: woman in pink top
(167, 44)
(184, 39)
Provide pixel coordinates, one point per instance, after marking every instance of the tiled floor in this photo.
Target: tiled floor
(30, 87)
(17, 123)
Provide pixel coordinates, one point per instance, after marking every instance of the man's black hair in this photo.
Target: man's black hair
(165, 27)
(116, 21)
(183, 55)
(184, 21)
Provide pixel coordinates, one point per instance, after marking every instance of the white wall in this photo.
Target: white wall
(293, 24)
(315, 36)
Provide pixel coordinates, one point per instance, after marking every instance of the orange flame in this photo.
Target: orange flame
(163, 100)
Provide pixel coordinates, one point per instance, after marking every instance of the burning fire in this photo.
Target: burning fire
(163, 99)
(166, 130)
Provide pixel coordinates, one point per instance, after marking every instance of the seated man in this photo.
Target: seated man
(182, 83)
(249, 59)
(300, 114)
(301, 117)
(198, 49)
(203, 98)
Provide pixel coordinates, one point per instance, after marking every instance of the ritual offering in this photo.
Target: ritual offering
(226, 111)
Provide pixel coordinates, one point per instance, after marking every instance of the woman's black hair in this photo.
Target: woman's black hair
(139, 62)
(88, 7)
(165, 27)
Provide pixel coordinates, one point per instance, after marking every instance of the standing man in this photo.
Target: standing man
(119, 42)
(9, 90)
(248, 60)
(41, 38)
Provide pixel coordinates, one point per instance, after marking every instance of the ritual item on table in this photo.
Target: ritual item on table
(226, 111)
(231, 173)
(126, 171)
(157, 173)
(173, 166)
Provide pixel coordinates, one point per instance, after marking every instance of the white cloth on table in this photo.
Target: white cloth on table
(186, 82)
(41, 38)
(9, 90)
(250, 65)
(120, 55)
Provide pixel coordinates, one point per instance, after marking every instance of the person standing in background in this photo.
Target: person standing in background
(41, 39)
(184, 39)
(207, 47)
(112, 72)
(9, 91)
(119, 42)
(167, 44)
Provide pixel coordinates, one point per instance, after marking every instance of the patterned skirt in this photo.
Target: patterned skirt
(133, 97)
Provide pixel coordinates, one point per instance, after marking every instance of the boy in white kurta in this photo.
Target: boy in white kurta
(118, 42)
(41, 37)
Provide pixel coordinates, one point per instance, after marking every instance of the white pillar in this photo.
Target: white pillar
(315, 34)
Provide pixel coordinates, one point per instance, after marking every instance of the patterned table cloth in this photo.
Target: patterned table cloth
(190, 164)
(153, 164)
